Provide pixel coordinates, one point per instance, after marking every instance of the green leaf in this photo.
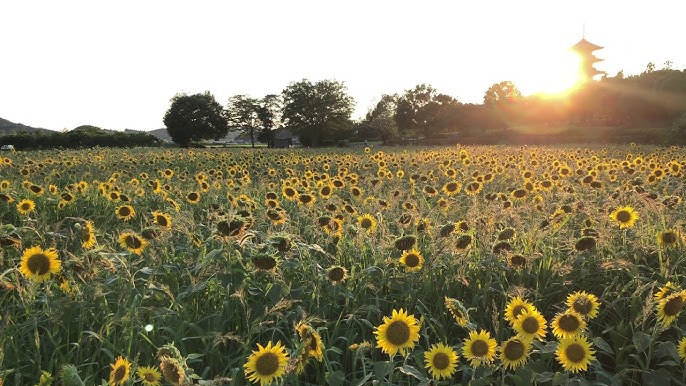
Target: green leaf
(656, 378)
(411, 371)
(382, 369)
(641, 341)
(602, 345)
(336, 378)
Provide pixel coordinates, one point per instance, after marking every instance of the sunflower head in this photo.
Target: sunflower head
(568, 324)
(412, 260)
(121, 369)
(172, 370)
(266, 364)
(514, 352)
(584, 304)
(399, 333)
(457, 310)
(531, 325)
(337, 274)
(38, 264)
(670, 307)
(441, 361)
(575, 354)
(515, 307)
(625, 216)
(479, 348)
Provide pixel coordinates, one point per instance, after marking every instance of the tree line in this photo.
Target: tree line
(319, 113)
(86, 136)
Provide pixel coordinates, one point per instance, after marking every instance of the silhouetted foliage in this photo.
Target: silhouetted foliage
(192, 118)
(81, 137)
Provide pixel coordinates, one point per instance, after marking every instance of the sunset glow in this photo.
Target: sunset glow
(553, 76)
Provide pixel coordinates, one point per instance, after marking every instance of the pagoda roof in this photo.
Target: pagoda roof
(585, 46)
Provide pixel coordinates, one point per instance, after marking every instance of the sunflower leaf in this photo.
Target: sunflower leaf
(409, 370)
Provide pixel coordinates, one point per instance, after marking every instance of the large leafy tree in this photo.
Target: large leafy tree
(503, 99)
(317, 111)
(269, 113)
(192, 118)
(243, 114)
(380, 120)
(419, 111)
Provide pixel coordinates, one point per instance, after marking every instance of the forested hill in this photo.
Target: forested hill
(8, 127)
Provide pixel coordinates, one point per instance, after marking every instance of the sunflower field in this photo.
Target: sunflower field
(394, 266)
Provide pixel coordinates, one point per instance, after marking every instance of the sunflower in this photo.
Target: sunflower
(87, 235)
(451, 188)
(405, 243)
(574, 354)
(312, 341)
(172, 371)
(337, 274)
(567, 324)
(26, 206)
(586, 243)
(276, 216)
(120, 371)
(531, 325)
(479, 348)
(681, 348)
(412, 260)
(624, 216)
(267, 364)
(367, 222)
(193, 197)
(667, 290)
(514, 352)
(162, 219)
(37, 264)
(133, 242)
(667, 238)
(516, 261)
(398, 333)
(149, 376)
(670, 307)
(463, 241)
(125, 212)
(516, 307)
(457, 310)
(584, 304)
(6, 197)
(289, 193)
(441, 361)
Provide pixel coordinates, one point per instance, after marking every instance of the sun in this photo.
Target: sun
(551, 75)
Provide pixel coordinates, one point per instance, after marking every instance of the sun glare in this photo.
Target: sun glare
(552, 76)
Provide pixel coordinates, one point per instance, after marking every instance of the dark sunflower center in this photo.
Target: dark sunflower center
(133, 242)
(398, 333)
(305, 199)
(35, 189)
(265, 263)
(569, 323)
(451, 187)
(464, 241)
(336, 274)
(412, 260)
(668, 238)
(172, 373)
(86, 235)
(479, 348)
(119, 373)
(517, 260)
(39, 264)
(193, 196)
(25, 206)
(273, 215)
(623, 216)
(582, 305)
(517, 311)
(150, 377)
(441, 361)
(514, 350)
(519, 193)
(575, 353)
(366, 223)
(530, 325)
(161, 220)
(674, 305)
(267, 364)
(124, 211)
(326, 191)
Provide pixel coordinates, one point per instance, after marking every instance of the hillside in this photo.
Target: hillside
(8, 127)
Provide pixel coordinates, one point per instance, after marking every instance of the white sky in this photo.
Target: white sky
(116, 64)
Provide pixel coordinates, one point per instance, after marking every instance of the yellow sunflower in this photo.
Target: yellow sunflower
(624, 216)
(514, 352)
(125, 212)
(399, 333)
(667, 290)
(584, 304)
(149, 376)
(441, 361)
(479, 348)
(457, 310)
(367, 222)
(412, 260)
(670, 307)
(267, 364)
(567, 324)
(276, 216)
(162, 219)
(531, 325)
(312, 341)
(172, 371)
(133, 242)
(451, 188)
(26, 206)
(120, 371)
(88, 235)
(337, 274)
(37, 264)
(681, 348)
(574, 354)
(516, 307)
(667, 238)
(193, 197)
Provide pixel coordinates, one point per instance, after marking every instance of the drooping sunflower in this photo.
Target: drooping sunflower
(514, 352)
(276, 216)
(172, 371)
(457, 310)
(149, 376)
(584, 304)
(441, 361)
(574, 354)
(479, 348)
(367, 222)
(133, 242)
(88, 235)
(266, 364)
(37, 264)
(399, 333)
(312, 342)
(125, 212)
(162, 219)
(625, 216)
(531, 325)
(405, 243)
(120, 371)
(26, 206)
(665, 291)
(337, 274)
(412, 260)
(516, 307)
(567, 324)
(681, 349)
(670, 307)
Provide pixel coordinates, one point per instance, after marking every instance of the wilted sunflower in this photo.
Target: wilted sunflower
(266, 364)
(276, 216)
(479, 348)
(531, 325)
(6, 198)
(440, 361)
(311, 340)
(567, 324)
(88, 235)
(337, 274)
(125, 212)
(172, 371)
(574, 354)
(133, 242)
(367, 222)
(624, 216)
(516, 261)
(26, 206)
(670, 307)
(412, 260)
(584, 304)
(37, 264)
(457, 310)
(514, 352)
(463, 241)
(515, 307)
(586, 243)
(399, 333)
(120, 371)
(667, 238)
(405, 243)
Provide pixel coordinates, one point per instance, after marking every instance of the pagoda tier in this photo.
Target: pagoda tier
(585, 50)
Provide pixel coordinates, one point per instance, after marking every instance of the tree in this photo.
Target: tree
(192, 118)
(243, 114)
(269, 114)
(503, 100)
(380, 121)
(317, 111)
(419, 110)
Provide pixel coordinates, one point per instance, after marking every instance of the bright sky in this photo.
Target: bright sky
(116, 64)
